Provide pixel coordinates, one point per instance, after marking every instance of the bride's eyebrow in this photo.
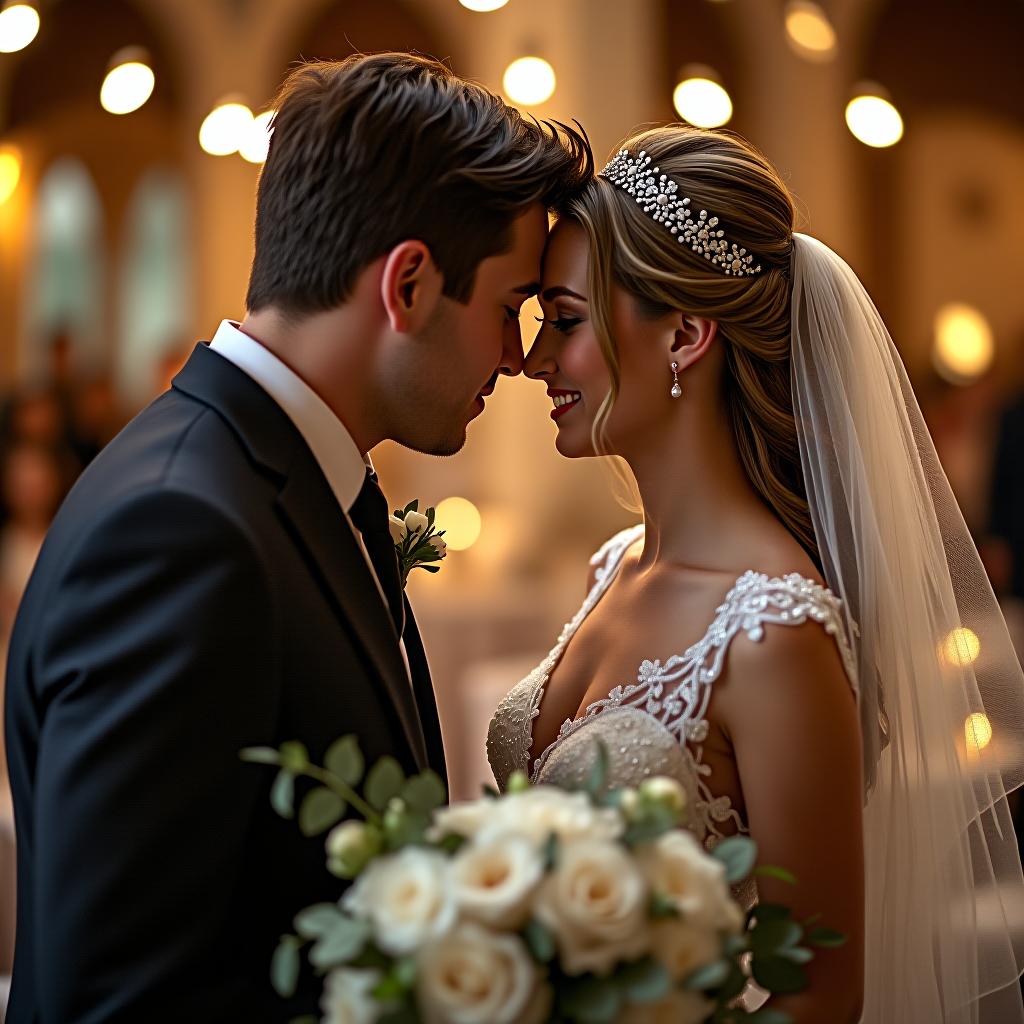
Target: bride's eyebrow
(559, 291)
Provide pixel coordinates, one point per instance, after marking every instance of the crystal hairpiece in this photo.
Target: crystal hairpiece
(656, 195)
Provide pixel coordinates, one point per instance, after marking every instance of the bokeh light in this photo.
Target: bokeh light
(978, 732)
(10, 172)
(256, 142)
(129, 82)
(809, 31)
(961, 647)
(874, 121)
(700, 100)
(483, 5)
(529, 81)
(225, 128)
(460, 520)
(964, 347)
(19, 25)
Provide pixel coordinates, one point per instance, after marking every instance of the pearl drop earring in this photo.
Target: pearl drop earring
(676, 389)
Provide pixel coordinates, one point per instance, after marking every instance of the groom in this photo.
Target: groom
(221, 575)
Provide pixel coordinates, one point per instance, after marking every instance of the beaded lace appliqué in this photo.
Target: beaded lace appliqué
(675, 693)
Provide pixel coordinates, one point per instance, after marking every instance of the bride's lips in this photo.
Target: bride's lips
(565, 401)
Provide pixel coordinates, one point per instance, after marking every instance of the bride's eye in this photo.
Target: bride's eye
(563, 324)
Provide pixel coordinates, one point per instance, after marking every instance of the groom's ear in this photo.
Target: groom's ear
(410, 286)
(692, 337)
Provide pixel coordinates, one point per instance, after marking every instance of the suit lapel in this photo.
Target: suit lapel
(426, 699)
(311, 512)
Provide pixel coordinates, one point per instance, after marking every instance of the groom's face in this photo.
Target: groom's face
(465, 346)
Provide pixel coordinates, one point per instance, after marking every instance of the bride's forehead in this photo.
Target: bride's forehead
(566, 253)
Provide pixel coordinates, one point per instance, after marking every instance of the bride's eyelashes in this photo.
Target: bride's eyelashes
(563, 324)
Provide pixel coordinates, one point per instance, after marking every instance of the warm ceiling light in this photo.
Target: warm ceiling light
(19, 24)
(483, 5)
(961, 647)
(460, 520)
(225, 128)
(964, 347)
(700, 99)
(129, 82)
(529, 81)
(873, 119)
(978, 731)
(809, 31)
(256, 143)
(10, 172)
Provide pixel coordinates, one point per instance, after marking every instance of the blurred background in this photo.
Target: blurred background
(131, 136)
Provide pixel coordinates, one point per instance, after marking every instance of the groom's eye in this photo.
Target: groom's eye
(511, 313)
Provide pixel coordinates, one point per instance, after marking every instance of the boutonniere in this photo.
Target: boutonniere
(417, 543)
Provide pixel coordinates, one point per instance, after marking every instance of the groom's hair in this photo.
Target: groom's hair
(375, 149)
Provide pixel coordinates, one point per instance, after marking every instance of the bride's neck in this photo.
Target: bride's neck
(700, 508)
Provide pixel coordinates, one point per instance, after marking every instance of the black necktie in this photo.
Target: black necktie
(370, 516)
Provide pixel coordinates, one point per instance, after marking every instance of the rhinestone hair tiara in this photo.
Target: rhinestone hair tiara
(656, 195)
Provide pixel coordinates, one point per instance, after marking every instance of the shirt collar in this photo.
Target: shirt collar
(332, 446)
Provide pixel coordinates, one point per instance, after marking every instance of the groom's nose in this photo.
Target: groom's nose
(512, 356)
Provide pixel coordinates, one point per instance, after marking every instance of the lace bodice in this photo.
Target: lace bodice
(657, 725)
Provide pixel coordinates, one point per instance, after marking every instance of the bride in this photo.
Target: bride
(800, 631)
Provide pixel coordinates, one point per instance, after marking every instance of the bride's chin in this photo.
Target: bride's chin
(570, 448)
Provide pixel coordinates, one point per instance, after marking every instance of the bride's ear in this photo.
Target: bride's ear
(693, 337)
(410, 286)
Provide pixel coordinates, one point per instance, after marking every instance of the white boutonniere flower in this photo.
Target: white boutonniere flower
(417, 542)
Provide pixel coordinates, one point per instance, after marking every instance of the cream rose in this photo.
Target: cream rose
(539, 811)
(463, 819)
(676, 866)
(397, 528)
(682, 947)
(678, 1007)
(347, 997)
(594, 901)
(495, 879)
(474, 976)
(408, 897)
(416, 522)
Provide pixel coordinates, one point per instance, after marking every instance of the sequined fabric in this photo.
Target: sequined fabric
(657, 725)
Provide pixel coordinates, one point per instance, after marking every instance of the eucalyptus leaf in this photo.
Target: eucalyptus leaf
(645, 981)
(317, 920)
(597, 780)
(294, 756)
(345, 760)
(738, 854)
(385, 781)
(425, 792)
(778, 975)
(284, 966)
(710, 976)
(592, 1000)
(769, 937)
(770, 912)
(260, 755)
(343, 942)
(282, 794)
(827, 938)
(770, 871)
(770, 1016)
(320, 809)
(798, 954)
(539, 941)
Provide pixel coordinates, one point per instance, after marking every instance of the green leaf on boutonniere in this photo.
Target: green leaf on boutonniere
(282, 794)
(430, 518)
(345, 759)
(344, 941)
(425, 792)
(320, 809)
(385, 781)
(738, 854)
(413, 506)
(284, 966)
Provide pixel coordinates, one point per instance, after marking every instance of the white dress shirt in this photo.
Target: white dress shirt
(332, 446)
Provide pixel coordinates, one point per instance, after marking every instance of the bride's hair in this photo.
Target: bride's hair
(734, 182)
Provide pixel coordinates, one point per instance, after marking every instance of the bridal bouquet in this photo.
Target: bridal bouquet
(541, 905)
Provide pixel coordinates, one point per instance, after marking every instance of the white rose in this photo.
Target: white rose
(407, 896)
(542, 810)
(398, 529)
(347, 997)
(494, 879)
(439, 545)
(678, 1007)
(462, 819)
(595, 902)
(473, 976)
(683, 947)
(416, 522)
(678, 867)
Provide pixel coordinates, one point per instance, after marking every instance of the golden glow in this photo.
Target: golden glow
(256, 143)
(809, 31)
(978, 730)
(19, 25)
(961, 647)
(529, 81)
(10, 172)
(128, 85)
(874, 121)
(460, 521)
(964, 346)
(702, 102)
(225, 128)
(483, 5)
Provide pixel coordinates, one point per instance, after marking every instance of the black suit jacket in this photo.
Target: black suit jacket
(199, 592)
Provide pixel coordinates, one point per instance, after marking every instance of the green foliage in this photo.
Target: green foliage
(282, 794)
(345, 760)
(344, 940)
(384, 782)
(284, 967)
(320, 809)
(539, 941)
(738, 854)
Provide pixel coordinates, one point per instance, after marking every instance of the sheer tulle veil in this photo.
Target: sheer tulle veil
(935, 671)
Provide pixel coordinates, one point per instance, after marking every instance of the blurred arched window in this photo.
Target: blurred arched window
(154, 293)
(66, 280)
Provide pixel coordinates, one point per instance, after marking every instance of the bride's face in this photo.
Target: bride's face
(566, 355)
